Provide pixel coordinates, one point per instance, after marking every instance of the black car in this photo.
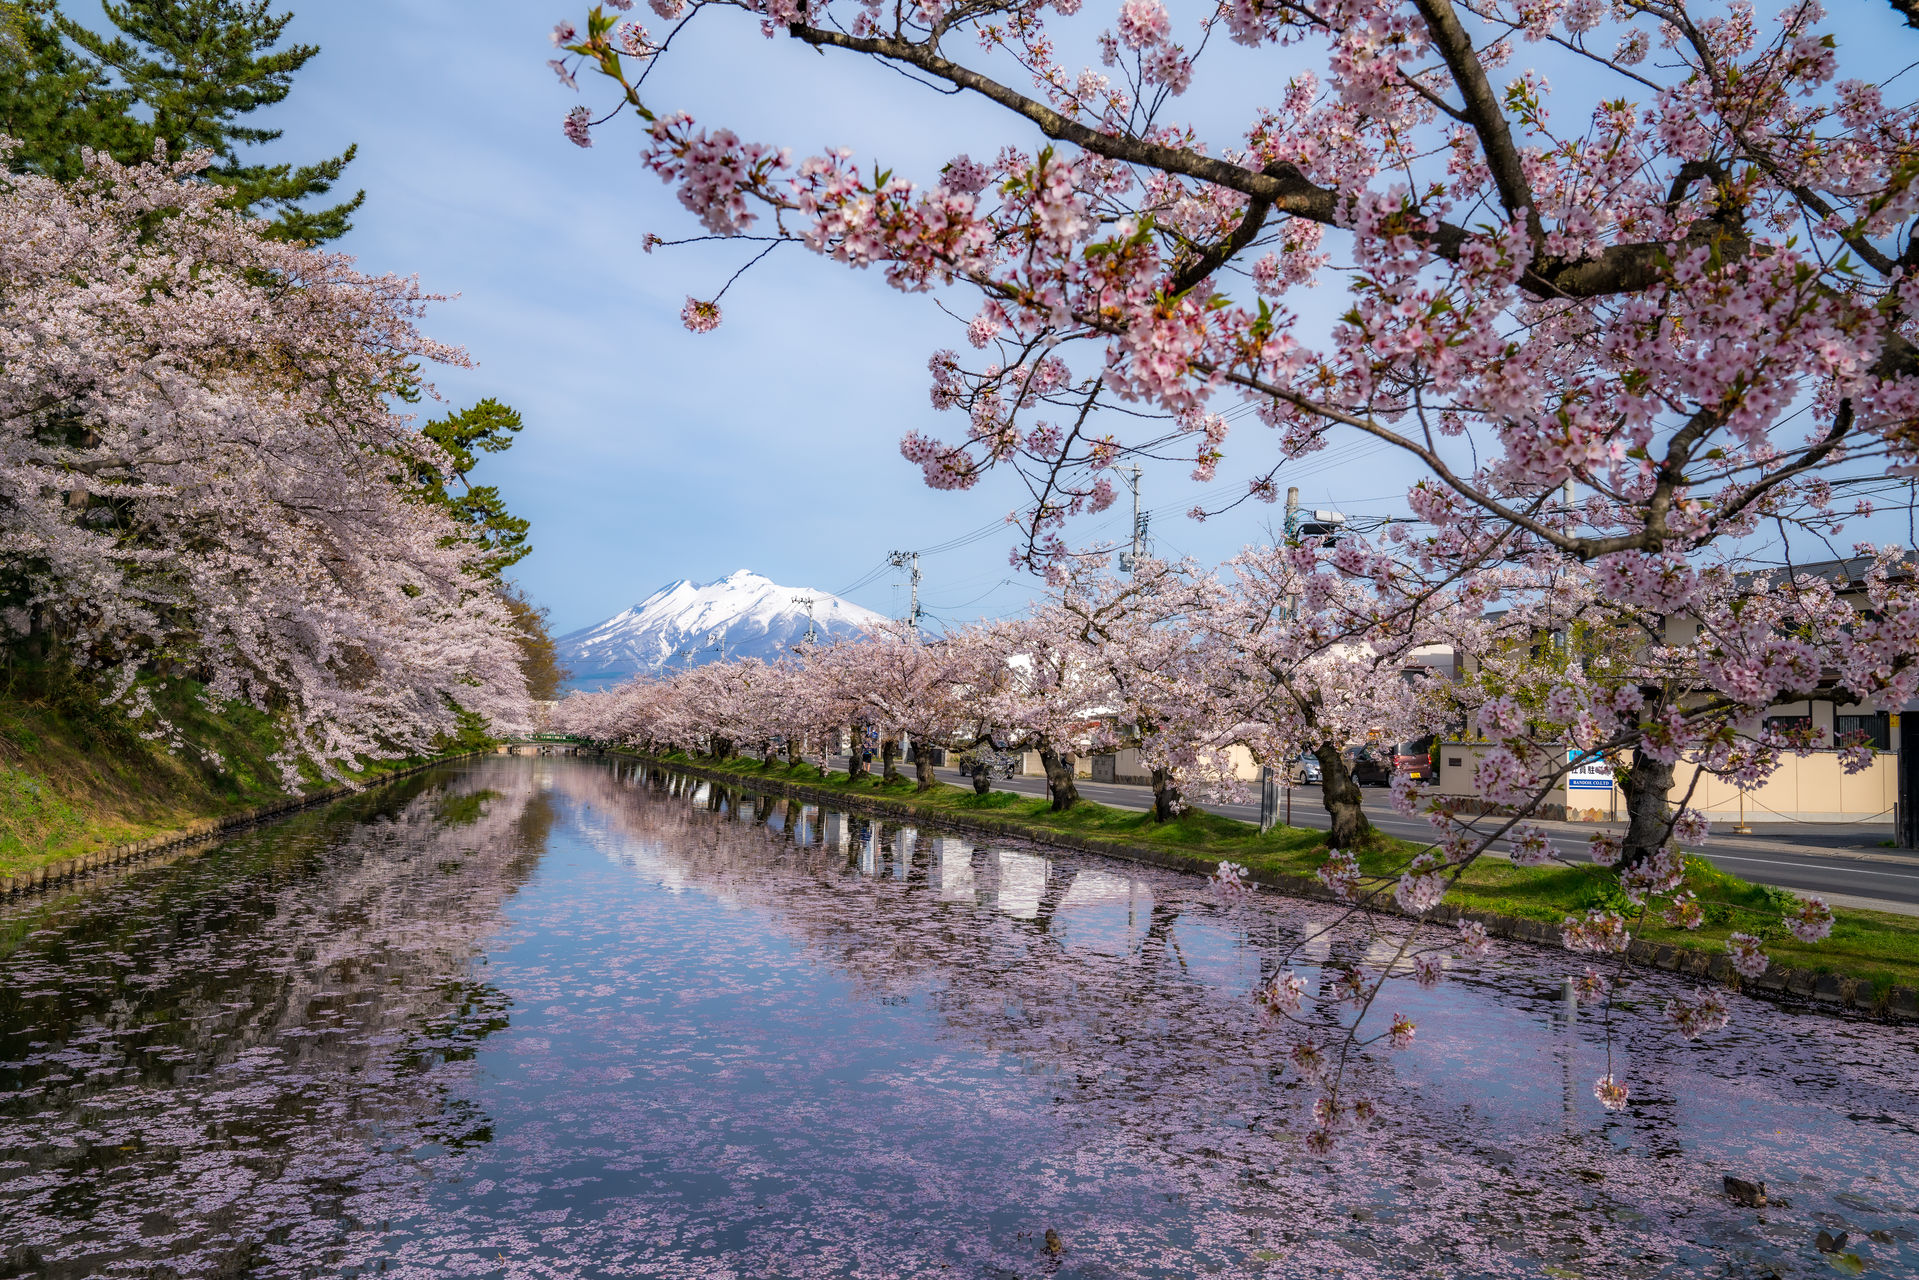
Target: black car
(1370, 769)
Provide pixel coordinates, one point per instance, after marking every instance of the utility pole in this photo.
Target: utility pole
(1129, 560)
(806, 603)
(909, 560)
(1291, 534)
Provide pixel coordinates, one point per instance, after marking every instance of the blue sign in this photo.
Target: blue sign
(1590, 772)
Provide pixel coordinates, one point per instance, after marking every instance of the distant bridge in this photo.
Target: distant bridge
(542, 744)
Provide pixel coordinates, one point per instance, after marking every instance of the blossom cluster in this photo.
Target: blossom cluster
(197, 472)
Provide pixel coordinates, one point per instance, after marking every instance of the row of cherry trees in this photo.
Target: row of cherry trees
(1282, 655)
(203, 475)
(1309, 648)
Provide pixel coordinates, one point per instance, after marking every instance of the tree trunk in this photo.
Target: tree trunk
(890, 758)
(923, 767)
(792, 751)
(1059, 779)
(722, 748)
(1648, 788)
(855, 758)
(982, 780)
(1341, 794)
(1165, 796)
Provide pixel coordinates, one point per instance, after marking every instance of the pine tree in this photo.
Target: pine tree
(181, 72)
(54, 101)
(488, 427)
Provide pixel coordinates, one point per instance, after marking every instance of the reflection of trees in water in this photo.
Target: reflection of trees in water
(1486, 1162)
(260, 1063)
(203, 1063)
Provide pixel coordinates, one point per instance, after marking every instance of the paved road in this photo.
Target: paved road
(1843, 862)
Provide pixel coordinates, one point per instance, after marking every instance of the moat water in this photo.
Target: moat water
(573, 1018)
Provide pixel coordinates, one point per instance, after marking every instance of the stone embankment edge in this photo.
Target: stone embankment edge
(1900, 1004)
(67, 870)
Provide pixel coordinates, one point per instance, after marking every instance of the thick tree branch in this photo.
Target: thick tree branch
(1290, 192)
(1221, 253)
(1482, 108)
(1622, 268)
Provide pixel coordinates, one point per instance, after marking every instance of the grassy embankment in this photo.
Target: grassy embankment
(76, 778)
(1876, 946)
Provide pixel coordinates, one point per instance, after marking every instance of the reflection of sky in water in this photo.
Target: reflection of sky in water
(953, 867)
(694, 1039)
(1022, 883)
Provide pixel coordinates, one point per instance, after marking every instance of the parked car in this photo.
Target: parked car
(1415, 759)
(1370, 768)
(1306, 770)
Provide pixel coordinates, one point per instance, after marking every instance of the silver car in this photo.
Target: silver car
(1308, 771)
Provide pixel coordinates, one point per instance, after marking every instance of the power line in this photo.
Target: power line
(1003, 582)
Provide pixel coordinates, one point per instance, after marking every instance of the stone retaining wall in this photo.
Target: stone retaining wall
(1900, 1004)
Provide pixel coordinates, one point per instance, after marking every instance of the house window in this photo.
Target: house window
(1877, 727)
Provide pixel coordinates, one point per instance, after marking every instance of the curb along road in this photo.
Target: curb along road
(1828, 989)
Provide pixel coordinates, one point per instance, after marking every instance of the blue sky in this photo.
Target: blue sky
(653, 454)
(650, 453)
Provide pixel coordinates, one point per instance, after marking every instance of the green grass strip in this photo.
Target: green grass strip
(1879, 947)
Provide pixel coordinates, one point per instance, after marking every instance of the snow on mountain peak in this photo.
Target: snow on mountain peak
(685, 623)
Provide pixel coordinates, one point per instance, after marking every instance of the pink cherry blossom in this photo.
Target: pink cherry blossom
(1231, 880)
(1143, 23)
(1417, 893)
(576, 126)
(1812, 921)
(700, 317)
(1531, 846)
(1340, 873)
(1601, 931)
(233, 398)
(1748, 956)
(1550, 287)
(1698, 1013)
(1284, 992)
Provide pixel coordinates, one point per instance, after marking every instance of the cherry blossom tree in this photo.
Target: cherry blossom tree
(200, 465)
(925, 690)
(1311, 645)
(1052, 701)
(1315, 649)
(1636, 285)
(1140, 633)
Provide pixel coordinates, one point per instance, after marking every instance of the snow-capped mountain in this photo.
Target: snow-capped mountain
(754, 616)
